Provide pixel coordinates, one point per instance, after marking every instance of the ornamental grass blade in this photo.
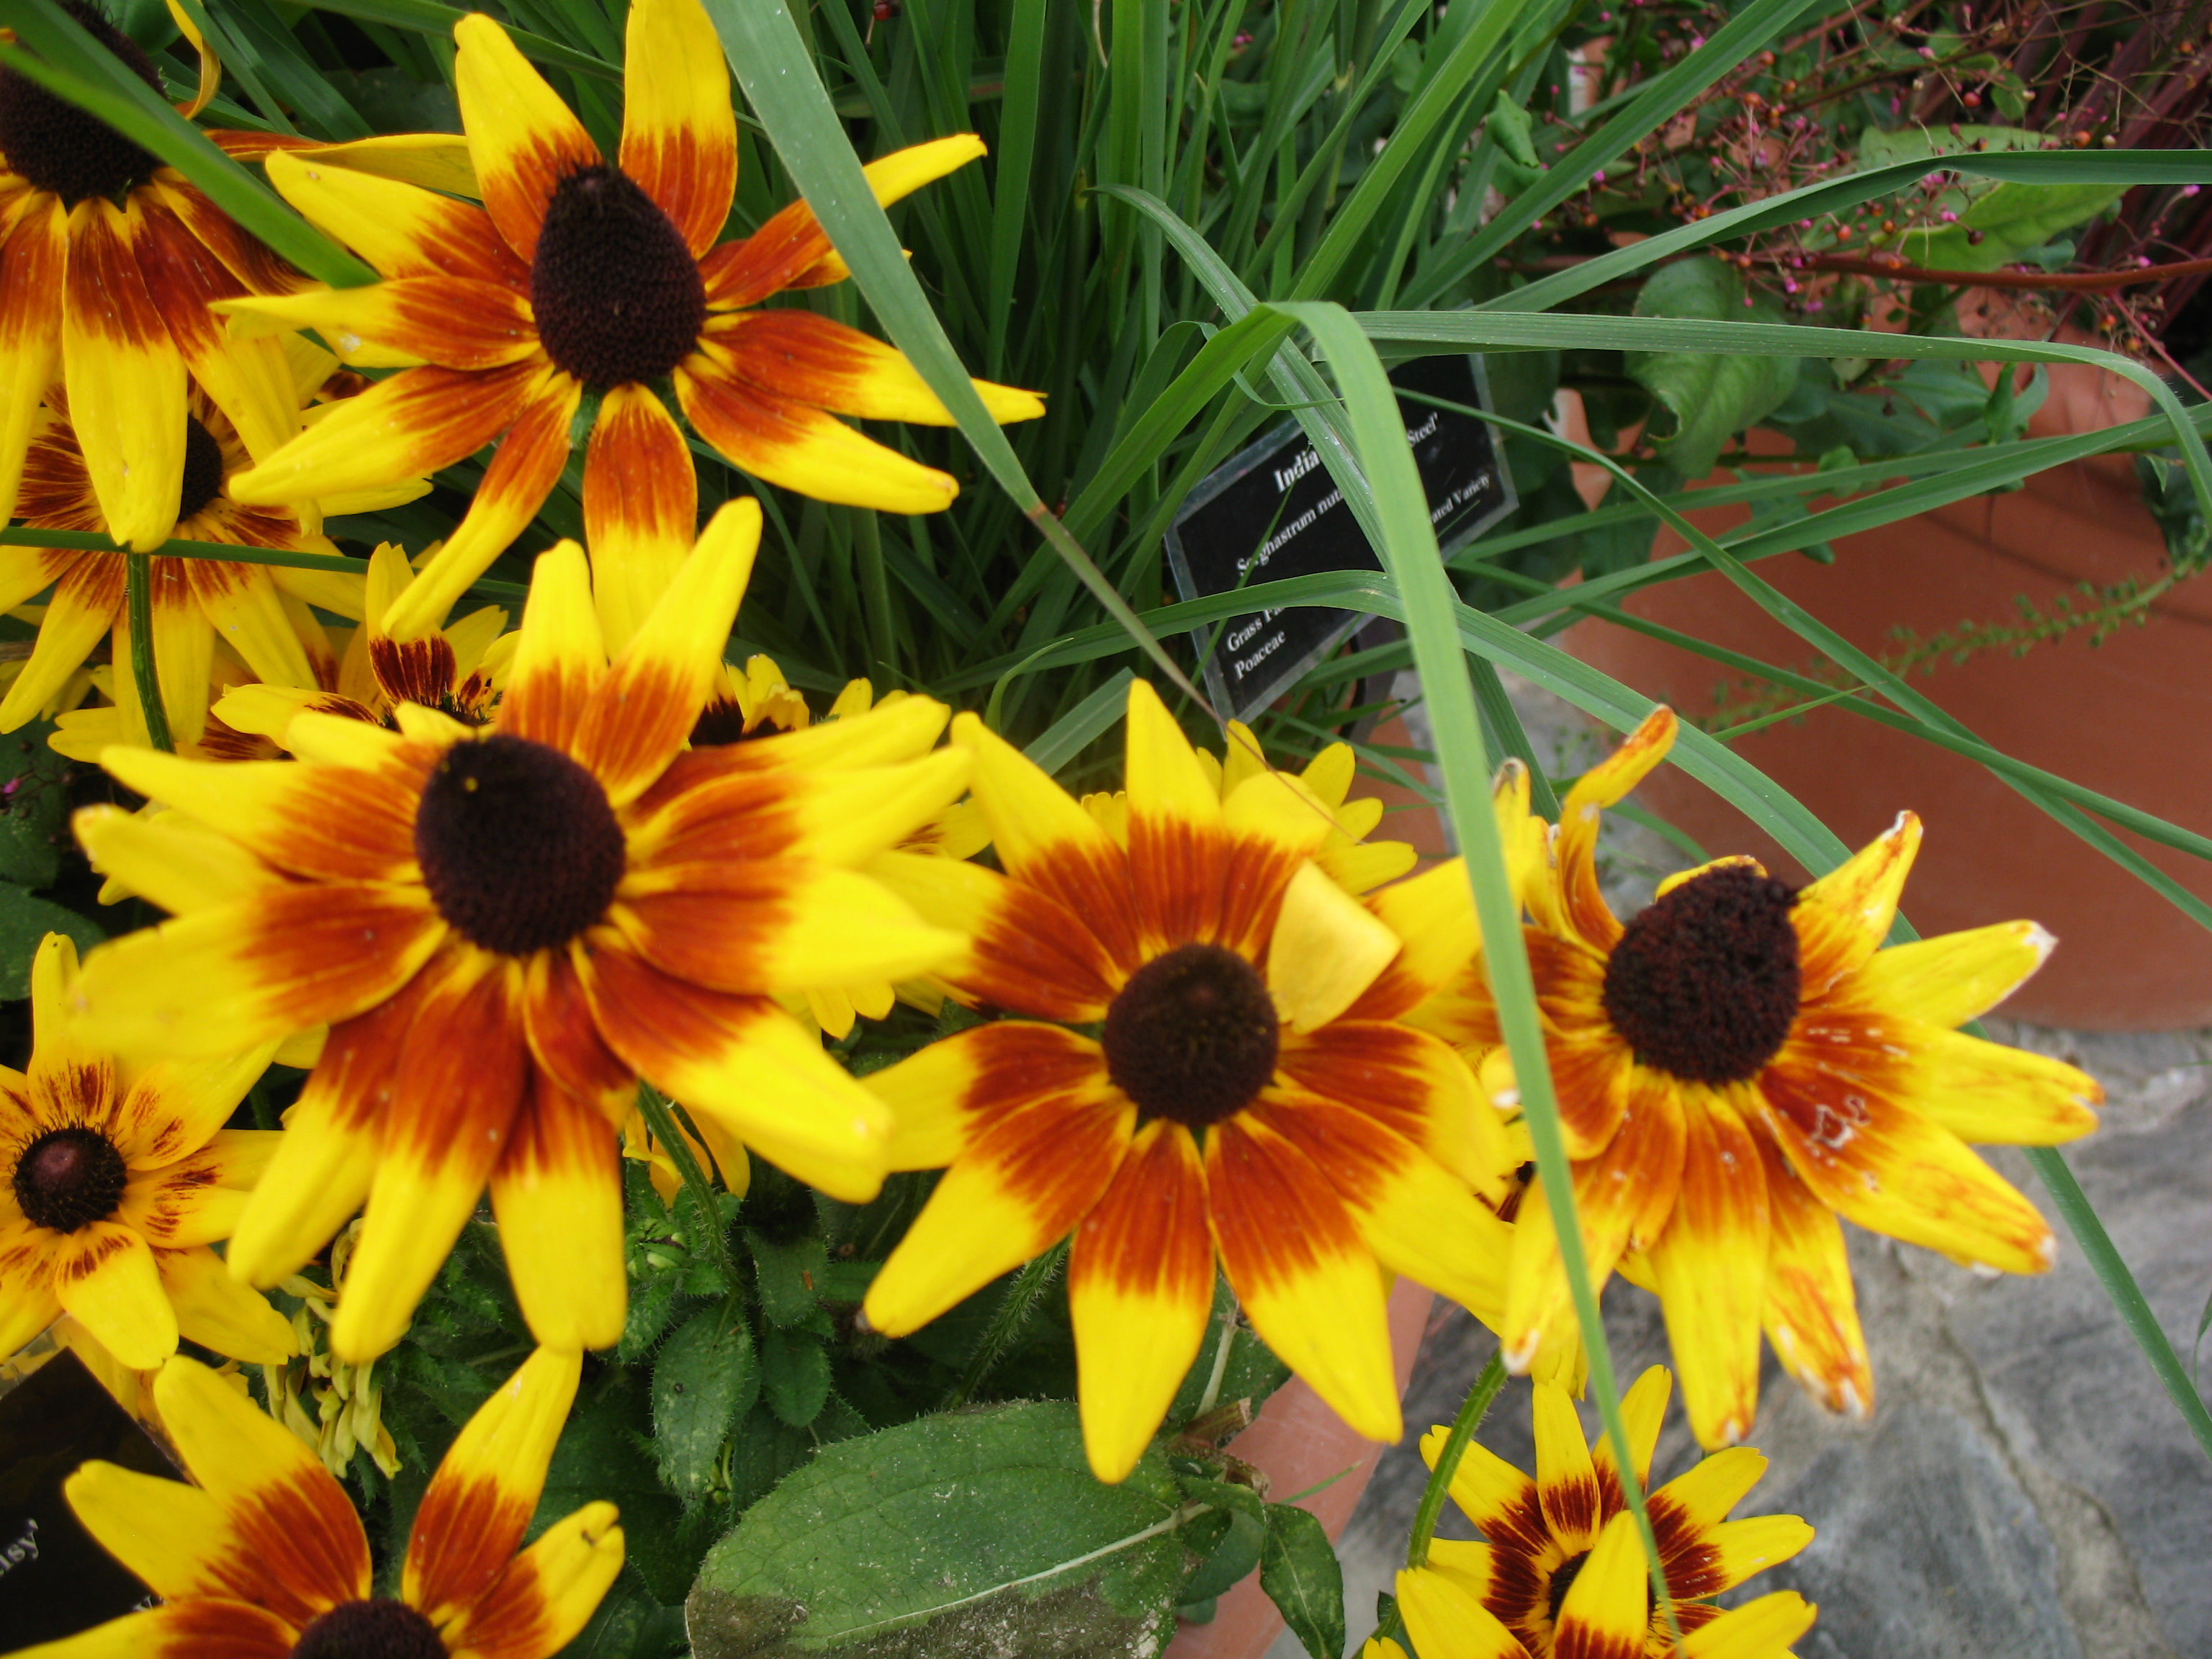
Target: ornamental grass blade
(777, 72)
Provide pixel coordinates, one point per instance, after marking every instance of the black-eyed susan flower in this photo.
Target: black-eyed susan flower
(257, 613)
(456, 669)
(262, 1557)
(1742, 1063)
(1248, 1093)
(505, 926)
(1561, 1572)
(108, 261)
(120, 1176)
(582, 278)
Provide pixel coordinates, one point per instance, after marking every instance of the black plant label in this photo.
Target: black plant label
(1273, 512)
(54, 1580)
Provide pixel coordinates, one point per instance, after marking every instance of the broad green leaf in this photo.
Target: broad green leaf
(1299, 1570)
(2010, 216)
(1229, 1563)
(704, 1379)
(1712, 397)
(795, 1375)
(981, 1532)
(25, 920)
(789, 1275)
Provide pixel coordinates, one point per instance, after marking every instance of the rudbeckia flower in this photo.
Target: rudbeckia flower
(504, 926)
(1560, 1572)
(1742, 1063)
(581, 276)
(456, 669)
(258, 611)
(112, 300)
(1249, 1092)
(262, 1557)
(120, 1176)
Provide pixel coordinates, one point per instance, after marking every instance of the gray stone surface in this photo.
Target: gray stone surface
(2024, 1487)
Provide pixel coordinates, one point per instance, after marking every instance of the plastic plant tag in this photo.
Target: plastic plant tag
(54, 1580)
(1273, 512)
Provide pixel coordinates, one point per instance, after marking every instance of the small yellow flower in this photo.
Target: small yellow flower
(120, 1176)
(1560, 1572)
(263, 1555)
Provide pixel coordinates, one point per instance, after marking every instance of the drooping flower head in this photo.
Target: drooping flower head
(258, 613)
(1561, 1572)
(108, 261)
(1249, 1093)
(119, 1177)
(582, 278)
(506, 926)
(1742, 1063)
(262, 1557)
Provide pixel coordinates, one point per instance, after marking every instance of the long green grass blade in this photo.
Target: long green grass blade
(777, 72)
(1409, 549)
(427, 17)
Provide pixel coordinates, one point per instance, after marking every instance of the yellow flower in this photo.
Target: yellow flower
(1252, 1095)
(257, 613)
(1740, 1064)
(456, 669)
(506, 927)
(580, 275)
(1560, 1572)
(120, 1176)
(108, 261)
(262, 1556)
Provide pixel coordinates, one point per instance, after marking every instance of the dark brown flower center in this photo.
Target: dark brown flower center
(378, 1629)
(1192, 1035)
(618, 294)
(1562, 1580)
(1703, 984)
(723, 721)
(60, 148)
(70, 1178)
(203, 469)
(519, 847)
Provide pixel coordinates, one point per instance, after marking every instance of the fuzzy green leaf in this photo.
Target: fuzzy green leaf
(704, 1379)
(980, 1531)
(794, 1374)
(1299, 1570)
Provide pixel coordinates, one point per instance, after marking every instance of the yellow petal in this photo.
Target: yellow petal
(1954, 977)
(522, 137)
(1606, 1609)
(1758, 1630)
(217, 1312)
(1327, 949)
(109, 1283)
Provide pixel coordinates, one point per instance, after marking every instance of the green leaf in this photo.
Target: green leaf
(790, 1275)
(795, 1375)
(1509, 125)
(704, 1379)
(1230, 1561)
(24, 921)
(979, 1532)
(2011, 217)
(629, 1625)
(33, 810)
(1711, 397)
(1299, 1570)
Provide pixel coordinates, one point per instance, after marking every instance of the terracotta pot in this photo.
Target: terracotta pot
(1299, 1442)
(2125, 718)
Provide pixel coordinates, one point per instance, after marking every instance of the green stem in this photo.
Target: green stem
(1471, 1411)
(661, 1121)
(1007, 1323)
(138, 596)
